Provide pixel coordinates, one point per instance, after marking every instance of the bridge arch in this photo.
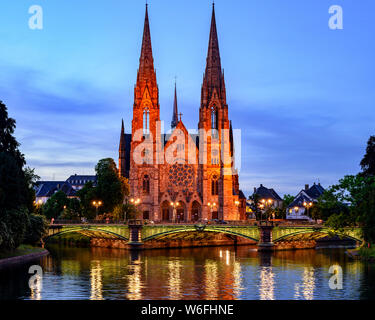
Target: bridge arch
(318, 234)
(254, 236)
(90, 232)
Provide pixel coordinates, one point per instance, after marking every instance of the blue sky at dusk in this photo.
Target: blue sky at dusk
(302, 94)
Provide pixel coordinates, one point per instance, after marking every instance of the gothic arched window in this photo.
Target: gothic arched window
(146, 184)
(215, 186)
(213, 118)
(146, 121)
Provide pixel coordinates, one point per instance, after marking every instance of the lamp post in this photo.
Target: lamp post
(237, 203)
(212, 205)
(96, 204)
(174, 205)
(265, 204)
(307, 205)
(135, 202)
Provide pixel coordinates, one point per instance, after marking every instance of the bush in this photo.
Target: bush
(37, 229)
(13, 228)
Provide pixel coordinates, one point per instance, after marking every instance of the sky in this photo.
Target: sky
(301, 94)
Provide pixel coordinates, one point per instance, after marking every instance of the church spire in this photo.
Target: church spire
(175, 109)
(122, 137)
(122, 164)
(146, 70)
(213, 72)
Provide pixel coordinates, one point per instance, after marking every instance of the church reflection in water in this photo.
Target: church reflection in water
(96, 281)
(223, 273)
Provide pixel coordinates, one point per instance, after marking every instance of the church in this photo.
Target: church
(182, 176)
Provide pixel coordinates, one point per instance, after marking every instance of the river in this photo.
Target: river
(223, 273)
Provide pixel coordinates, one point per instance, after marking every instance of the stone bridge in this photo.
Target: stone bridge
(137, 234)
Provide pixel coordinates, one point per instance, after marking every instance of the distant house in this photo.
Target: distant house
(78, 182)
(297, 210)
(269, 194)
(46, 189)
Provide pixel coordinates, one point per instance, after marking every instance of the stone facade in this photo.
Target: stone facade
(180, 167)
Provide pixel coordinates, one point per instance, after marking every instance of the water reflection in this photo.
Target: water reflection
(305, 290)
(175, 290)
(211, 280)
(134, 277)
(96, 281)
(201, 273)
(36, 288)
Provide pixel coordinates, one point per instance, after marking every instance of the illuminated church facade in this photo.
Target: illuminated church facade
(182, 176)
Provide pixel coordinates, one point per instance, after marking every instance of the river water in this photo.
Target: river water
(223, 273)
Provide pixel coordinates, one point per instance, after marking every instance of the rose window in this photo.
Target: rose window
(181, 175)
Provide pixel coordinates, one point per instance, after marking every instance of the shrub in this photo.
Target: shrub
(37, 229)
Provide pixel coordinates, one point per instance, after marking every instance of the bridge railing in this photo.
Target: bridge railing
(80, 222)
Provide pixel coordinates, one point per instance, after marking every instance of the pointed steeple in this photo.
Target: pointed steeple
(146, 70)
(213, 74)
(122, 162)
(122, 137)
(175, 109)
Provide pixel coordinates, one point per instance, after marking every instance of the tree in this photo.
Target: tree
(8, 143)
(31, 180)
(13, 190)
(124, 212)
(13, 226)
(254, 205)
(368, 161)
(36, 230)
(110, 189)
(87, 195)
(14, 194)
(355, 198)
(329, 204)
(54, 206)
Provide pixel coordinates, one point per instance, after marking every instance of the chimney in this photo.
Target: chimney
(261, 185)
(306, 187)
(255, 190)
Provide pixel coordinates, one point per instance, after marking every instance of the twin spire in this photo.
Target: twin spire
(213, 77)
(146, 72)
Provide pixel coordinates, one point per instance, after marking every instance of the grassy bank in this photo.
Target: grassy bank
(22, 250)
(363, 253)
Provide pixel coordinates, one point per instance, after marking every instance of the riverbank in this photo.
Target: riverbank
(362, 253)
(22, 254)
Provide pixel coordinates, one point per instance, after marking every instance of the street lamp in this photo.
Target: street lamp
(265, 204)
(237, 203)
(174, 205)
(212, 206)
(307, 205)
(135, 202)
(97, 204)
